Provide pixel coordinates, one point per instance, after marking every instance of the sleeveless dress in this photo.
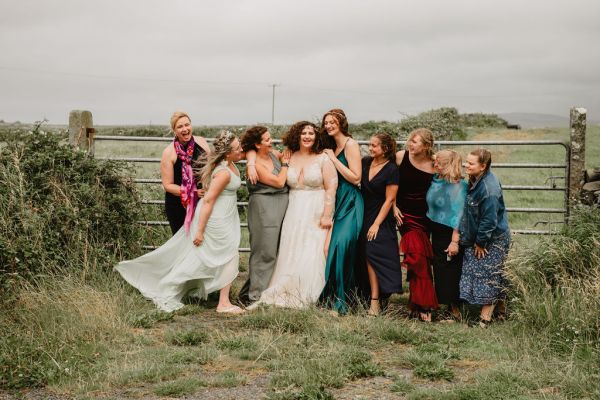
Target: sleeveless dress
(173, 208)
(341, 258)
(381, 252)
(266, 209)
(178, 268)
(299, 276)
(415, 244)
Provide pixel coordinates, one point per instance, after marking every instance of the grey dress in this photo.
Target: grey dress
(266, 209)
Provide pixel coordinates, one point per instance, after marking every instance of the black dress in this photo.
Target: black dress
(381, 252)
(173, 207)
(446, 273)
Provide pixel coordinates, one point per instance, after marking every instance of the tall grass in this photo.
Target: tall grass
(65, 220)
(556, 283)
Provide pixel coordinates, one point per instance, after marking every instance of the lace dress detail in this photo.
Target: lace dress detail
(299, 275)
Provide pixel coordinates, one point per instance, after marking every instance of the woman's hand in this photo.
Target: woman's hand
(201, 193)
(480, 252)
(398, 215)
(325, 222)
(452, 249)
(285, 156)
(372, 232)
(251, 173)
(199, 239)
(330, 153)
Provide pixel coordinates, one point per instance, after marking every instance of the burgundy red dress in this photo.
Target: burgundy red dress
(415, 243)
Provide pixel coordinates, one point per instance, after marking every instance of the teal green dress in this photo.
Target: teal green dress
(347, 223)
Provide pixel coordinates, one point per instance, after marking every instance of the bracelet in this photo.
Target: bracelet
(284, 164)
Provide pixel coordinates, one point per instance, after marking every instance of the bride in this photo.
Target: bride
(207, 262)
(299, 274)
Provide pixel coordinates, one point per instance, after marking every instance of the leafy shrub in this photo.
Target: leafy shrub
(445, 123)
(62, 210)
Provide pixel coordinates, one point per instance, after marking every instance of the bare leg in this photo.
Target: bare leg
(375, 307)
(225, 305)
(486, 312)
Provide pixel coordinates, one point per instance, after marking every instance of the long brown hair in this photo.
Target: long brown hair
(339, 115)
(291, 139)
(251, 137)
(388, 145)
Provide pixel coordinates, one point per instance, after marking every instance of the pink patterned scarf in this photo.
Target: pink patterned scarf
(189, 197)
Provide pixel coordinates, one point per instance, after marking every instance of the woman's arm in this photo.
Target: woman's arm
(330, 183)
(251, 172)
(352, 173)
(399, 156)
(390, 200)
(265, 176)
(167, 161)
(217, 185)
(452, 248)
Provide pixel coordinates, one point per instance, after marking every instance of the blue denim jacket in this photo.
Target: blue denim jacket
(484, 218)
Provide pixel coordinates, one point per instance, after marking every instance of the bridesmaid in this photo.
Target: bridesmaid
(446, 202)
(485, 236)
(344, 152)
(266, 209)
(205, 259)
(415, 166)
(378, 248)
(176, 171)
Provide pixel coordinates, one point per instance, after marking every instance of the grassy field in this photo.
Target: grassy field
(97, 338)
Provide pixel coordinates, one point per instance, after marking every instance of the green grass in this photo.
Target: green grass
(97, 337)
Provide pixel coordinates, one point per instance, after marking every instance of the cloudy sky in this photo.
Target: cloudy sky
(136, 61)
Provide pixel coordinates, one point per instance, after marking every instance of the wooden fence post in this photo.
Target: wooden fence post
(81, 130)
(577, 157)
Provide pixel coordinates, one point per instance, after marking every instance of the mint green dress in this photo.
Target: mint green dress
(340, 286)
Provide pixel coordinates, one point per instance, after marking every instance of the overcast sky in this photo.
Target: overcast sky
(136, 61)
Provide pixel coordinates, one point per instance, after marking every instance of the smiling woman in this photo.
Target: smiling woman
(197, 265)
(181, 189)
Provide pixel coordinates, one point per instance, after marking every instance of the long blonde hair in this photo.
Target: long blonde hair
(222, 145)
(450, 163)
(426, 137)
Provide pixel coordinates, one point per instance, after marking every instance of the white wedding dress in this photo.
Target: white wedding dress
(299, 275)
(178, 268)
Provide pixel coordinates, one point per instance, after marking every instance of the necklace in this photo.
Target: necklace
(373, 164)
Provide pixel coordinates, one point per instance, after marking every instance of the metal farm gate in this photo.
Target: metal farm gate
(551, 185)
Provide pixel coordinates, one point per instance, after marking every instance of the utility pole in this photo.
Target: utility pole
(274, 85)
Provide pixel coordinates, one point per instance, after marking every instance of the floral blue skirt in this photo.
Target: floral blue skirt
(482, 280)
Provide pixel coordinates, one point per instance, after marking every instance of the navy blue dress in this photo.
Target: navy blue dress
(382, 252)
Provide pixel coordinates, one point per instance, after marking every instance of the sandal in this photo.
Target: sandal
(482, 323)
(231, 310)
(374, 310)
(425, 316)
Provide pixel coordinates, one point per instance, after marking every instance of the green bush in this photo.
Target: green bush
(445, 123)
(62, 210)
(556, 284)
